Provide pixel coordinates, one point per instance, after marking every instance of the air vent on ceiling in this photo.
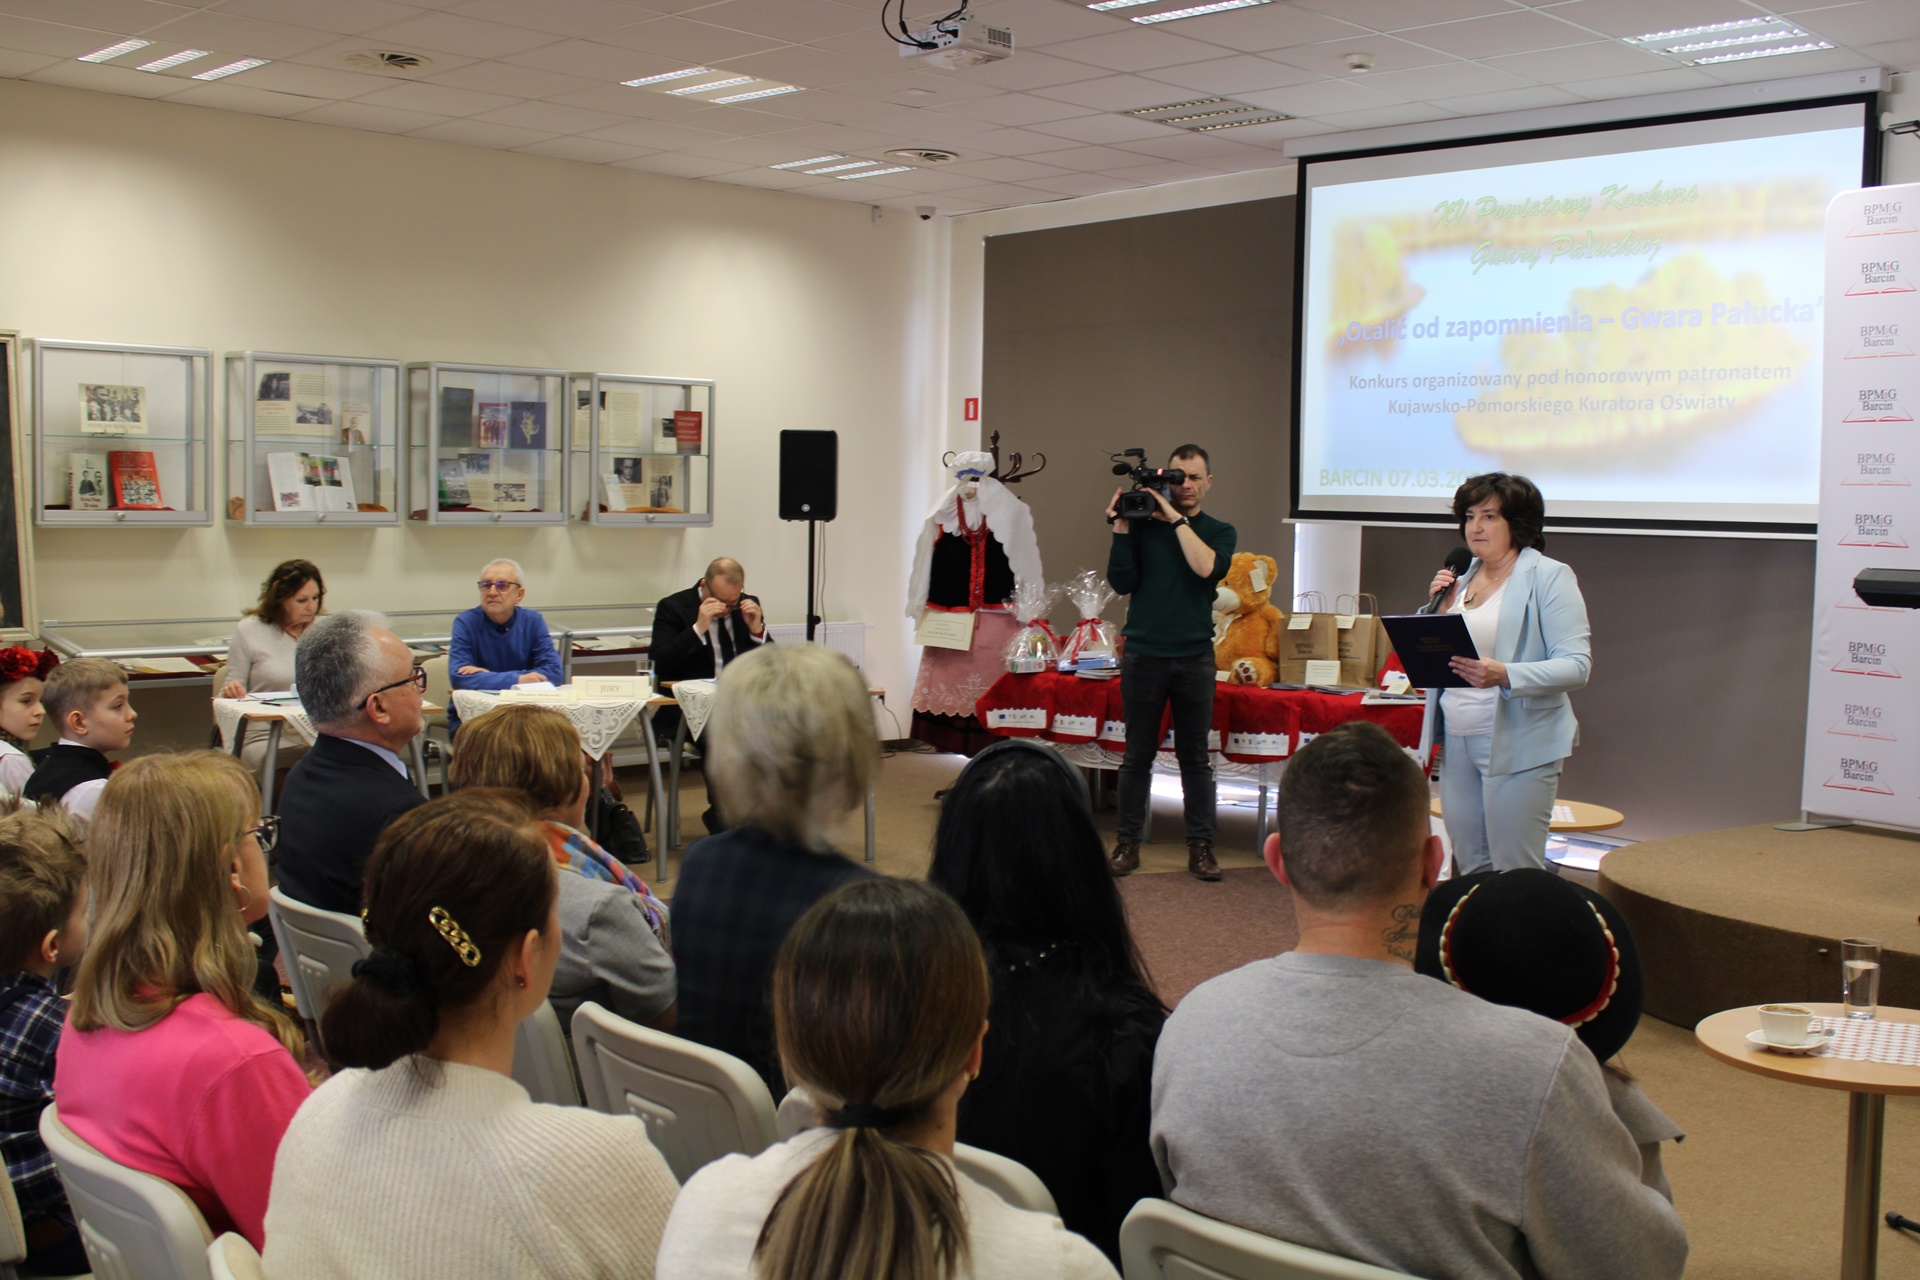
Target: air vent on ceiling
(386, 60)
(1203, 115)
(923, 155)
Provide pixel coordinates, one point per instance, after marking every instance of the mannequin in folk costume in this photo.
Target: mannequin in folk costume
(976, 544)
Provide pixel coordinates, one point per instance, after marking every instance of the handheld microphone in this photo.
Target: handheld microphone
(1457, 561)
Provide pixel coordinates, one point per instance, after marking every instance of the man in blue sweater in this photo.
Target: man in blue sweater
(498, 644)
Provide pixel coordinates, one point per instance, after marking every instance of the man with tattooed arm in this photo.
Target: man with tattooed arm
(1332, 1097)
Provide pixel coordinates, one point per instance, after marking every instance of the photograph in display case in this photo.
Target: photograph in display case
(311, 482)
(456, 418)
(135, 480)
(493, 426)
(273, 404)
(356, 424)
(87, 482)
(529, 430)
(453, 485)
(113, 411)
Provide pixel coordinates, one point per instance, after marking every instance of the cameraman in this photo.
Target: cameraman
(1169, 564)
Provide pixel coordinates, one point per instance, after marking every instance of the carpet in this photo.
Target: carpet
(1189, 930)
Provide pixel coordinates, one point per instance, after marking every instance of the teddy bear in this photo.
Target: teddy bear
(1246, 628)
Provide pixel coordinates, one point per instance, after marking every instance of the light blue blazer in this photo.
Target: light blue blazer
(1545, 643)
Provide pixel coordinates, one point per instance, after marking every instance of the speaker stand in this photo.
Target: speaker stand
(813, 618)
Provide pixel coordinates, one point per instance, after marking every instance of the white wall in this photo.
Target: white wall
(133, 221)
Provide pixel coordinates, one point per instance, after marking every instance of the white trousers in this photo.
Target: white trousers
(1495, 823)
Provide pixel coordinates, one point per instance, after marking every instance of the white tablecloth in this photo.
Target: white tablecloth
(228, 713)
(696, 703)
(599, 722)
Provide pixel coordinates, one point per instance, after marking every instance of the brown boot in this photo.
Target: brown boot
(1200, 863)
(1126, 858)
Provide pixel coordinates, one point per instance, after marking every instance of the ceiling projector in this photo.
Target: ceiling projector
(965, 41)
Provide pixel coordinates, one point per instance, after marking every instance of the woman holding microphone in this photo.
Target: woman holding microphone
(1509, 732)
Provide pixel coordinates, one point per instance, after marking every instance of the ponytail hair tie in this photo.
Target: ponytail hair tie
(397, 971)
(864, 1115)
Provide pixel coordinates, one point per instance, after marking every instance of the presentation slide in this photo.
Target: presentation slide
(1630, 317)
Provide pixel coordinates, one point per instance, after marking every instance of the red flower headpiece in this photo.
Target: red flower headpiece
(19, 662)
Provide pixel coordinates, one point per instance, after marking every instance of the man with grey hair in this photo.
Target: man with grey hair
(497, 644)
(360, 687)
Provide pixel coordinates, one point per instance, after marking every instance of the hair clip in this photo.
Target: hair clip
(456, 936)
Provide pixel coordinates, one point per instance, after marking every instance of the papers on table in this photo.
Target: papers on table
(162, 666)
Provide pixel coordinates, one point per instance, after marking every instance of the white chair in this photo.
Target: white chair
(135, 1226)
(13, 1240)
(698, 1103)
(232, 1258)
(1161, 1240)
(434, 725)
(320, 949)
(541, 1061)
(1007, 1178)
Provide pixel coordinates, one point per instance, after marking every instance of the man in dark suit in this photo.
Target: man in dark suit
(698, 631)
(361, 689)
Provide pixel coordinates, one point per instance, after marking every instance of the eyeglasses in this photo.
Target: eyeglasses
(497, 586)
(418, 680)
(266, 833)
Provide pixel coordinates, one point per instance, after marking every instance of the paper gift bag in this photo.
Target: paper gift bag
(1307, 636)
(1362, 639)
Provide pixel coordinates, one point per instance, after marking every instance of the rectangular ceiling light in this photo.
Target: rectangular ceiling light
(232, 69)
(113, 51)
(1105, 5)
(1199, 115)
(162, 64)
(873, 173)
(1774, 52)
(1666, 39)
(1173, 106)
(1701, 46)
(1219, 6)
(713, 84)
(1235, 124)
(857, 164)
(665, 76)
(774, 92)
(801, 164)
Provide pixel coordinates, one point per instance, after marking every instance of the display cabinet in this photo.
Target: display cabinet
(643, 449)
(120, 433)
(487, 444)
(312, 439)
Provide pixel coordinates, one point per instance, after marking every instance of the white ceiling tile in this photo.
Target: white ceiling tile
(916, 90)
(1135, 50)
(1091, 159)
(1273, 135)
(1581, 62)
(1521, 32)
(1012, 109)
(585, 150)
(469, 36)
(673, 6)
(121, 80)
(1201, 148)
(513, 79)
(128, 17)
(1324, 97)
(1894, 53)
(678, 165)
(556, 17)
(355, 115)
(1271, 26)
(818, 139)
(549, 117)
(1381, 117)
(1111, 93)
(28, 35)
(856, 45)
(1043, 22)
(929, 181)
(1084, 184)
(734, 120)
(820, 105)
(346, 17)
(1165, 171)
(245, 37)
(1799, 64)
(1531, 98)
(470, 133)
(1271, 158)
(925, 126)
(1032, 71)
(314, 82)
(1234, 75)
(767, 179)
(1395, 15)
(1389, 53)
(1672, 80)
(799, 64)
(999, 195)
(752, 151)
(1863, 24)
(222, 96)
(654, 134)
(854, 190)
(1103, 127)
(1447, 80)
(339, 52)
(14, 65)
(1001, 169)
(791, 20)
(1016, 142)
(437, 99)
(686, 41)
(600, 63)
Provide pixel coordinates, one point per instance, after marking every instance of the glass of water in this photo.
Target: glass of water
(1860, 976)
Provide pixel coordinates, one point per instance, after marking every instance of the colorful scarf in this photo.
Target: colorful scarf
(576, 851)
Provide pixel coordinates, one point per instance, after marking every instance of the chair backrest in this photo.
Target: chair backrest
(1161, 1240)
(1007, 1178)
(439, 686)
(231, 1257)
(13, 1234)
(698, 1103)
(135, 1226)
(320, 947)
(541, 1061)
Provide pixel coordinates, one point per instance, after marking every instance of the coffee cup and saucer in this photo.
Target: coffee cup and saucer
(1788, 1028)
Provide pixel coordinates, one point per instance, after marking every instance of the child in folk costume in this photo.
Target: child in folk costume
(23, 674)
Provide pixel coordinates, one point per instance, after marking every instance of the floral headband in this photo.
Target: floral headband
(18, 662)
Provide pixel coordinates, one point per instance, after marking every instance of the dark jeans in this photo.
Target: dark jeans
(1147, 685)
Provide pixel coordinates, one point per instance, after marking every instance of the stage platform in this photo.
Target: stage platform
(1752, 915)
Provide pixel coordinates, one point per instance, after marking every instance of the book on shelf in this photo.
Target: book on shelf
(135, 480)
(310, 482)
(687, 425)
(529, 425)
(456, 418)
(493, 426)
(453, 484)
(87, 481)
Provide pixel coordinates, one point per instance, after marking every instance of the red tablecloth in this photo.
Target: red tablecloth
(1250, 726)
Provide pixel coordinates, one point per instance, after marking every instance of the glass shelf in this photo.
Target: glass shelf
(642, 449)
(486, 444)
(120, 433)
(312, 439)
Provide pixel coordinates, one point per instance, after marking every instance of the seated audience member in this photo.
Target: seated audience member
(497, 644)
(169, 1063)
(87, 699)
(1529, 939)
(23, 679)
(1066, 1081)
(613, 931)
(792, 751)
(696, 633)
(361, 689)
(880, 1001)
(260, 653)
(426, 1157)
(43, 930)
(1333, 1097)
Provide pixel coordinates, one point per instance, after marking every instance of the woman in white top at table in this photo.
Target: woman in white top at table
(260, 654)
(1509, 732)
(23, 675)
(874, 1194)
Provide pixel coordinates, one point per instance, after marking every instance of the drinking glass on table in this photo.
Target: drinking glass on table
(1860, 976)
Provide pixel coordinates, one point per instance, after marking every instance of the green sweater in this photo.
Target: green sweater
(1170, 614)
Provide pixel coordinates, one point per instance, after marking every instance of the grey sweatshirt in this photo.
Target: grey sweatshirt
(1356, 1107)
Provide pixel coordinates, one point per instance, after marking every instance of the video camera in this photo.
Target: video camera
(1139, 504)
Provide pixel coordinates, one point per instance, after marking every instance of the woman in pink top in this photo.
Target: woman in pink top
(169, 1063)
